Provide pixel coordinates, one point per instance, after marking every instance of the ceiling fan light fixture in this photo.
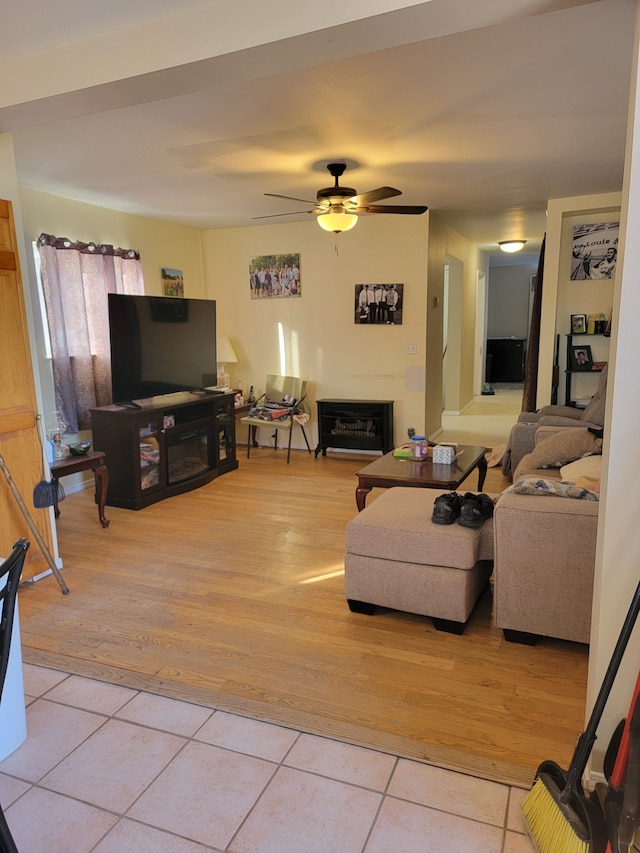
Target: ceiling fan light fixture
(337, 222)
(511, 246)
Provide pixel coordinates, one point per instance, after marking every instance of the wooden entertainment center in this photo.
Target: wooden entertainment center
(164, 446)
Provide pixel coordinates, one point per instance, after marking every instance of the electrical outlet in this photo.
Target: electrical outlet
(411, 349)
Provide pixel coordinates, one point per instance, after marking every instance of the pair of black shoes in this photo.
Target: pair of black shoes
(468, 510)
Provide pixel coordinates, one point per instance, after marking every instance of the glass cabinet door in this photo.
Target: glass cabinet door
(149, 451)
(225, 431)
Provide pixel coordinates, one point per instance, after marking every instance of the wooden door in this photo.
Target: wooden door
(19, 437)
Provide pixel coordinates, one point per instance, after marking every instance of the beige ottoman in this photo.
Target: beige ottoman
(397, 557)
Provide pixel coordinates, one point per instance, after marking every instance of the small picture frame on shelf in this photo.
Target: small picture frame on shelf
(580, 358)
(578, 324)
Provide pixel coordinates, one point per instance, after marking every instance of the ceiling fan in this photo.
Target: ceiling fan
(337, 207)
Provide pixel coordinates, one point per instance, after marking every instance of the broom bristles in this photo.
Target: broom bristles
(553, 826)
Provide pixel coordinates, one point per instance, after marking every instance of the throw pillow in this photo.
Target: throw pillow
(564, 446)
(590, 483)
(588, 466)
(538, 486)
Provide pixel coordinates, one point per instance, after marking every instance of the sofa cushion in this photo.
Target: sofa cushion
(564, 446)
(589, 466)
(525, 469)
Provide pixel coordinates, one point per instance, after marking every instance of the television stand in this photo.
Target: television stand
(165, 446)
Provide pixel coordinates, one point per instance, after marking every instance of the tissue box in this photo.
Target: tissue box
(443, 454)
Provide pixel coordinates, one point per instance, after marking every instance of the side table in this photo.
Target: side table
(91, 461)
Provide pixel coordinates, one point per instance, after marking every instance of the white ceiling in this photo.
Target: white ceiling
(481, 109)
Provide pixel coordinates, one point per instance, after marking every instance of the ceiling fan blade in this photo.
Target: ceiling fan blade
(291, 213)
(292, 198)
(375, 195)
(395, 208)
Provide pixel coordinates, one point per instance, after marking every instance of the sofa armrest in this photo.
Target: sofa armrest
(544, 565)
(522, 439)
(561, 412)
(556, 420)
(552, 411)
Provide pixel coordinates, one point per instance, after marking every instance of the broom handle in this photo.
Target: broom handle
(33, 528)
(588, 737)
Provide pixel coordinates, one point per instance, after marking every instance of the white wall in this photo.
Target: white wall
(617, 570)
(508, 301)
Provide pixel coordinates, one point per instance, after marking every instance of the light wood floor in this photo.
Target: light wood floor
(233, 595)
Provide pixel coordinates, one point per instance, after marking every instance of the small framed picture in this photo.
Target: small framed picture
(580, 358)
(578, 324)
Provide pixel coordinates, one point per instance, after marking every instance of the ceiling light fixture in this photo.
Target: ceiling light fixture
(337, 222)
(511, 246)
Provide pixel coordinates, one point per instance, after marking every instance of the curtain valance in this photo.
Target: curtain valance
(87, 248)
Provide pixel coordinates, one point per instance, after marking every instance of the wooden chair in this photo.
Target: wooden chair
(11, 569)
(284, 397)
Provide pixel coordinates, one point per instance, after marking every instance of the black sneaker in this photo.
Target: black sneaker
(446, 508)
(475, 510)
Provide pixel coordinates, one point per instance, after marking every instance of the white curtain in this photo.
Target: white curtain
(76, 278)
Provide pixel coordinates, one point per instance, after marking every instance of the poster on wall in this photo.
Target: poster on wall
(594, 251)
(379, 304)
(272, 276)
(172, 282)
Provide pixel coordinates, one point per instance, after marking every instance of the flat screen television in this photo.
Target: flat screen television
(160, 345)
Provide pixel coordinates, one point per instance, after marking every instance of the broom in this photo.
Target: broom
(557, 814)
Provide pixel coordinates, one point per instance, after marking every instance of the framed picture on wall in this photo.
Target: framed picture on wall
(580, 358)
(379, 304)
(172, 282)
(594, 251)
(274, 276)
(578, 324)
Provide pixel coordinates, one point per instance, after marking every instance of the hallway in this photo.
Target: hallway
(488, 420)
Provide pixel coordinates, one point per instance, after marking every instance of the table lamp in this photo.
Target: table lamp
(225, 354)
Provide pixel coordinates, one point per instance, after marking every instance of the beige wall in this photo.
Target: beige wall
(446, 244)
(562, 297)
(161, 244)
(322, 342)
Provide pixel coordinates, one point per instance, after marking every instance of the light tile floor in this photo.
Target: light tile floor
(108, 769)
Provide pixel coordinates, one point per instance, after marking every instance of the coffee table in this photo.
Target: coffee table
(389, 470)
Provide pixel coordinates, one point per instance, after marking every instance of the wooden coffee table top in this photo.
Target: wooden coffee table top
(389, 470)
